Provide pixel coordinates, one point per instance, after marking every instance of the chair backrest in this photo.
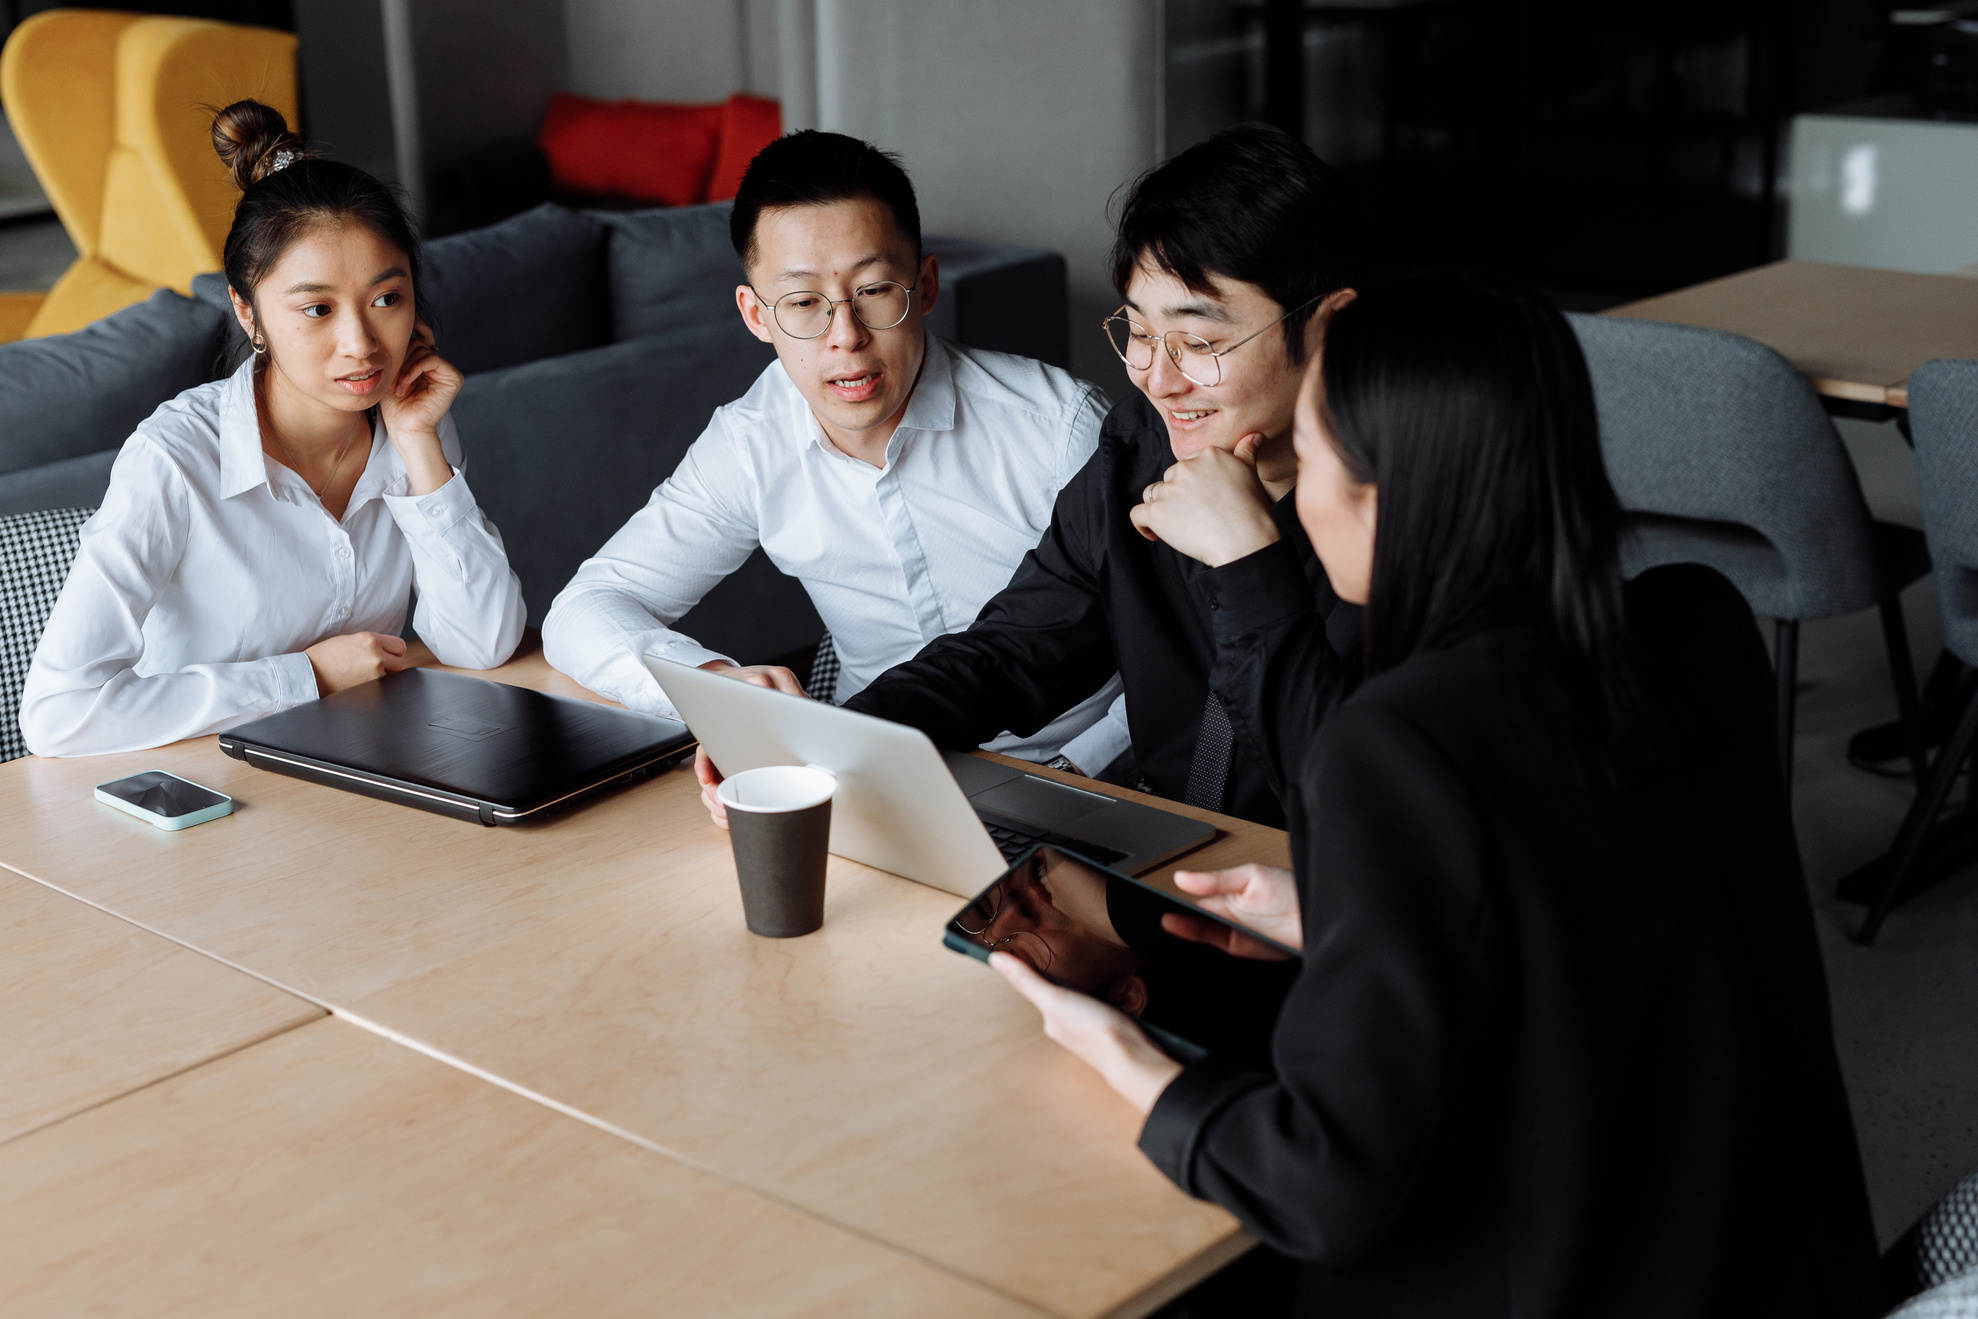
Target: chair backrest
(111, 111)
(36, 550)
(1713, 426)
(1943, 422)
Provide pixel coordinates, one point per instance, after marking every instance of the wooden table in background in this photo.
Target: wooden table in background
(864, 1075)
(1855, 333)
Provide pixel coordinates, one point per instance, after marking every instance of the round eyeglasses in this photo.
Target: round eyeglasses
(979, 917)
(807, 315)
(1192, 355)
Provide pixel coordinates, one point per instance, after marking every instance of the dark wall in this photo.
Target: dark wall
(1611, 147)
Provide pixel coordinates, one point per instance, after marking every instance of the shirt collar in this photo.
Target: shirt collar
(243, 465)
(931, 406)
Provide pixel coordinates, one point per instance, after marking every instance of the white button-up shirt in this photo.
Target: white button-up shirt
(892, 556)
(211, 567)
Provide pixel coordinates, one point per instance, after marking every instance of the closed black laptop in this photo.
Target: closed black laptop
(465, 747)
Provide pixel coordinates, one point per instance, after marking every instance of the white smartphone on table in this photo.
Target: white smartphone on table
(165, 800)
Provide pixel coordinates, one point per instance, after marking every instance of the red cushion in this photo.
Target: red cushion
(748, 124)
(641, 150)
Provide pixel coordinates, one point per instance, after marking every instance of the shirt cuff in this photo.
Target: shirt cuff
(437, 512)
(294, 680)
(681, 650)
(1184, 1110)
(1255, 591)
(1096, 747)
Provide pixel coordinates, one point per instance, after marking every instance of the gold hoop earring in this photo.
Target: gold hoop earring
(260, 345)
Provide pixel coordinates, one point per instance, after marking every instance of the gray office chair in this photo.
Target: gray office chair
(1938, 1255)
(36, 550)
(1943, 424)
(1723, 456)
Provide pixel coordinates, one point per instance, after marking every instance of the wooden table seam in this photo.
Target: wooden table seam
(654, 1147)
(458, 1064)
(269, 981)
(189, 1068)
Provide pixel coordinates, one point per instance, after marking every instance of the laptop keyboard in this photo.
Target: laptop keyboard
(1015, 840)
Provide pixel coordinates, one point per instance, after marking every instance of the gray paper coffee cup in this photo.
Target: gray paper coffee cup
(779, 823)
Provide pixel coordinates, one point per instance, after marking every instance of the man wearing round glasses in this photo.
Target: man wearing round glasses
(899, 477)
(1175, 557)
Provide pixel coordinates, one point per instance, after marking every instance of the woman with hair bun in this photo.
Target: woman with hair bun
(261, 533)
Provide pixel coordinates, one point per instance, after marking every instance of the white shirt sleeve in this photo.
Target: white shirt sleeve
(698, 527)
(1082, 434)
(1105, 739)
(1102, 743)
(83, 694)
(470, 609)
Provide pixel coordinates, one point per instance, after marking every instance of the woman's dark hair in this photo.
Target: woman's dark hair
(1465, 401)
(1252, 203)
(286, 190)
(812, 168)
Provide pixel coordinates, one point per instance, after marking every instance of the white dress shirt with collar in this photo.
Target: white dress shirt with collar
(211, 567)
(892, 556)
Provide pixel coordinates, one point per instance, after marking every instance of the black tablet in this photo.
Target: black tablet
(1099, 932)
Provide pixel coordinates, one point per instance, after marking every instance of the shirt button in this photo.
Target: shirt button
(343, 551)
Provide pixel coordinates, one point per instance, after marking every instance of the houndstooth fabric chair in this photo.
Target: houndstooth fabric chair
(36, 550)
(823, 683)
(1939, 1256)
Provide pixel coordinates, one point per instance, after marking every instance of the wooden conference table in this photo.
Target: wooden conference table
(557, 1073)
(1856, 333)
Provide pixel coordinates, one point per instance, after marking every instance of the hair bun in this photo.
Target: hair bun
(250, 138)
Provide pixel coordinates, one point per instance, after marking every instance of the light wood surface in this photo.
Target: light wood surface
(599, 961)
(91, 1007)
(330, 1172)
(1856, 333)
(864, 1072)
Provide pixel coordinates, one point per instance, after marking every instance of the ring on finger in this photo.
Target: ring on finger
(1147, 495)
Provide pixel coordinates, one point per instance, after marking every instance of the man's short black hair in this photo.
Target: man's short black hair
(812, 168)
(1252, 203)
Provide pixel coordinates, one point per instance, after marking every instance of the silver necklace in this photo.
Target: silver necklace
(341, 455)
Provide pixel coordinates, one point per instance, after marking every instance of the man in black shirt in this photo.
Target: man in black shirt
(1175, 557)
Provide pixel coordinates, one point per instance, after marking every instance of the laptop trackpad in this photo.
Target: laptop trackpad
(1039, 801)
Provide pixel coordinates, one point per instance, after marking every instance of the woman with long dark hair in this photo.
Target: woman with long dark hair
(1559, 1044)
(262, 534)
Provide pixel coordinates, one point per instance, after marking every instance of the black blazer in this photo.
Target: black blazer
(1096, 597)
(1555, 1049)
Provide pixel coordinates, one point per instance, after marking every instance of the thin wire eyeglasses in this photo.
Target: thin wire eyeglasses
(1131, 340)
(807, 315)
(1027, 944)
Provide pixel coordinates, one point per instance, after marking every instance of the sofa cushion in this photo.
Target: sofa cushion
(748, 124)
(1004, 298)
(641, 150)
(527, 288)
(670, 268)
(70, 483)
(73, 394)
(561, 452)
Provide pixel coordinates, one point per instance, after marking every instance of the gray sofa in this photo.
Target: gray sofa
(595, 345)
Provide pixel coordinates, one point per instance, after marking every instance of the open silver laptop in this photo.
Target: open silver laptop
(946, 819)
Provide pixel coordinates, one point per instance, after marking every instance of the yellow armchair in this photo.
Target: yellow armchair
(114, 113)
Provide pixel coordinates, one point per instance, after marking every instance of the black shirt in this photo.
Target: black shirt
(1555, 1048)
(1096, 597)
